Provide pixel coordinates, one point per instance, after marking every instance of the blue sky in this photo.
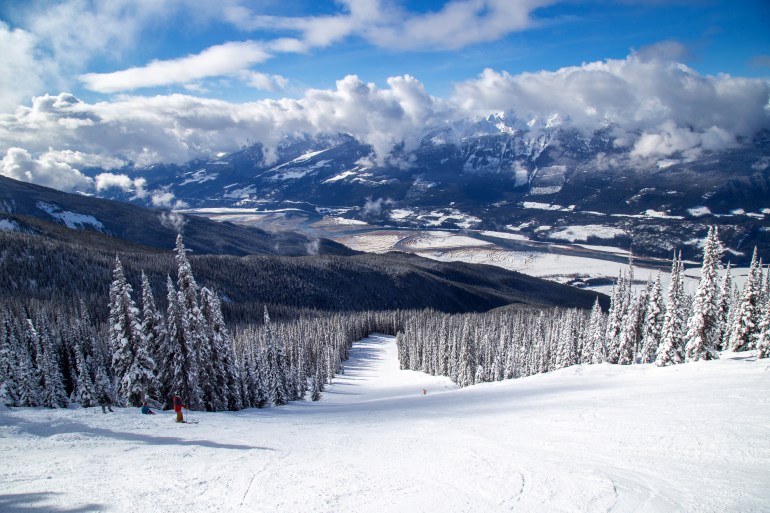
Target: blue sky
(107, 83)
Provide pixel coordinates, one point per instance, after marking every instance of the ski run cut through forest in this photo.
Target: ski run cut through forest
(658, 404)
(586, 438)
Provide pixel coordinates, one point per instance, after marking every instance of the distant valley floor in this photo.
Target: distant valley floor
(589, 266)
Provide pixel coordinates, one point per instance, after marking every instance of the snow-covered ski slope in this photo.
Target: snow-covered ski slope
(598, 438)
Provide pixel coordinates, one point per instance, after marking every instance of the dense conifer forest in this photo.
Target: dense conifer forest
(152, 340)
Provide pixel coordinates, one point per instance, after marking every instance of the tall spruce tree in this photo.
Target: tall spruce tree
(275, 359)
(763, 332)
(30, 354)
(620, 301)
(724, 305)
(53, 393)
(9, 381)
(702, 335)
(85, 391)
(193, 332)
(670, 350)
(629, 333)
(467, 357)
(224, 378)
(652, 328)
(593, 351)
(317, 385)
(179, 371)
(132, 365)
(747, 313)
(153, 335)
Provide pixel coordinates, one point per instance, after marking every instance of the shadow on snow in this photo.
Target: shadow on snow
(46, 430)
(40, 503)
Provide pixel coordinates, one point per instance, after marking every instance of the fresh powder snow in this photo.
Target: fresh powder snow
(587, 438)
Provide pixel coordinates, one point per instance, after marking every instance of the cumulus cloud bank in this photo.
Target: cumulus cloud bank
(655, 106)
(674, 108)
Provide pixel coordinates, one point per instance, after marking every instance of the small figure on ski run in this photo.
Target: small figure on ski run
(146, 410)
(105, 401)
(178, 405)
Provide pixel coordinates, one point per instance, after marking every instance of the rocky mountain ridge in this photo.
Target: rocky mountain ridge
(533, 177)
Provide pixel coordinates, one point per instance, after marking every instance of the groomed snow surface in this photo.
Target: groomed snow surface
(595, 438)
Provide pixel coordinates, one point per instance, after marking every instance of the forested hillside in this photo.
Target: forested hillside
(41, 210)
(40, 269)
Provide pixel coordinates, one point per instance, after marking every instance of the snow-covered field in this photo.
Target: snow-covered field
(563, 268)
(691, 437)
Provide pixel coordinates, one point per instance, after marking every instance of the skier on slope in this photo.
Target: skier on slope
(146, 409)
(178, 405)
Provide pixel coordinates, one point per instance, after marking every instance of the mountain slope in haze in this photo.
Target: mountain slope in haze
(148, 227)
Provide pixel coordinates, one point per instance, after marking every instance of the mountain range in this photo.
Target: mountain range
(495, 173)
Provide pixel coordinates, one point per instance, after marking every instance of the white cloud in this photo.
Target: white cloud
(54, 41)
(19, 164)
(76, 30)
(84, 160)
(177, 128)
(457, 24)
(374, 207)
(166, 199)
(380, 117)
(672, 106)
(265, 82)
(173, 221)
(137, 186)
(22, 74)
(214, 61)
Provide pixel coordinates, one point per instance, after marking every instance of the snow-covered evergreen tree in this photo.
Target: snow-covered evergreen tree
(652, 328)
(629, 336)
(724, 306)
(223, 376)
(275, 358)
(593, 351)
(153, 332)
(104, 385)
(179, 370)
(702, 334)
(53, 393)
(747, 313)
(763, 332)
(9, 386)
(467, 358)
(670, 350)
(618, 305)
(194, 330)
(317, 385)
(132, 364)
(29, 353)
(85, 391)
